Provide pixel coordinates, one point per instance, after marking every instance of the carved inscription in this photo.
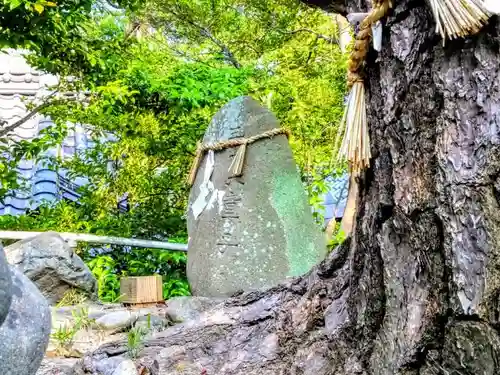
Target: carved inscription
(231, 202)
(223, 130)
(231, 217)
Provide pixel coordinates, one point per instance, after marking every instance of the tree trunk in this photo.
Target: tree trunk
(415, 291)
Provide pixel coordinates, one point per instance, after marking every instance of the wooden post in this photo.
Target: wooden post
(141, 290)
(344, 29)
(347, 222)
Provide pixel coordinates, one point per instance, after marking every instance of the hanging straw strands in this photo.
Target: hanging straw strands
(356, 143)
(459, 18)
(354, 126)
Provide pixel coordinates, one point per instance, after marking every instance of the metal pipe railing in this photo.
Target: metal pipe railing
(91, 238)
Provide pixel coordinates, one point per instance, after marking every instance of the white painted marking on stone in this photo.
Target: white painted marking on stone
(212, 200)
(206, 187)
(268, 224)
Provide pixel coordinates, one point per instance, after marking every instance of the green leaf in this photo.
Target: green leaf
(14, 4)
(39, 8)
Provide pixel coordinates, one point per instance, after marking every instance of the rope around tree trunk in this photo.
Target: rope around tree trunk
(239, 159)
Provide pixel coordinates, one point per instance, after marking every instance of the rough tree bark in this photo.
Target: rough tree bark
(416, 289)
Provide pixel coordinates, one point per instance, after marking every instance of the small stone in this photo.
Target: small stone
(52, 265)
(59, 366)
(117, 320)
(127, 367)
(181, 309)
(102, 366)
(24, 335)
(155, 322)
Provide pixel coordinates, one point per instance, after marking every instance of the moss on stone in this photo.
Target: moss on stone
(304, 244)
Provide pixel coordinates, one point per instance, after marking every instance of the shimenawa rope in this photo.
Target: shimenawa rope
(239, 159)
(454, 18)
(356, 142)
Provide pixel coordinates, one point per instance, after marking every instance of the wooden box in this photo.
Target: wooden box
(141, 289)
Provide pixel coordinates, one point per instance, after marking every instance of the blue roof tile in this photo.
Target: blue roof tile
(18, 81)
(335, 200)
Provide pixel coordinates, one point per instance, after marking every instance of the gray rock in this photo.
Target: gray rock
(60, 366)
(52, 265)
(103, 366)
(181, 309)
(24, 335)
(256, 230)
(127, 367)
(117, 320)
(154, 321)
(5, 287)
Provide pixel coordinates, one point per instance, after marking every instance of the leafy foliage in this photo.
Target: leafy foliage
(64, 337)
(110, 263)
(153, 76)
(135, 340)
(73, 297)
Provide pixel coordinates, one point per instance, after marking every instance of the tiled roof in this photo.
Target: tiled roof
(20, 83)
(335, 199)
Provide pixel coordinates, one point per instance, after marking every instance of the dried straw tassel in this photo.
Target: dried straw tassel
(238, 161)
(355, 145)
(459, 18)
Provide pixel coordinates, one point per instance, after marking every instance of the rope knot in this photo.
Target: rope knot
(236, 167)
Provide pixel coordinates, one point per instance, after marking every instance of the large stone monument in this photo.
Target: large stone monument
(24, 322)
(255, 230)
(5, 288)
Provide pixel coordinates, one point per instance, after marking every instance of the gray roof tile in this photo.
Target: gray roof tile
(19, 82)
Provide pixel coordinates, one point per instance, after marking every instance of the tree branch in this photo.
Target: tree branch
(334, 6)
(5, 130)
(8, 129)
(204, 32)
(225, 50)
(328, 39)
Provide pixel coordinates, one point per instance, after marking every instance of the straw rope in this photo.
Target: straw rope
(356, 141)
(238, 161)
(362, 41)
